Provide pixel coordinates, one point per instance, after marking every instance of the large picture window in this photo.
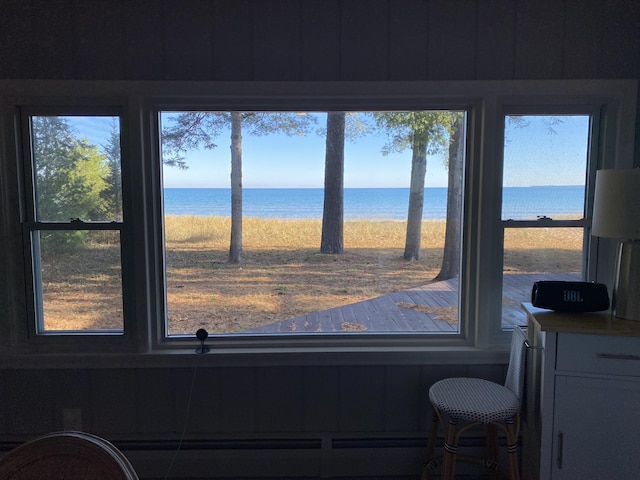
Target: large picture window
(312, 222)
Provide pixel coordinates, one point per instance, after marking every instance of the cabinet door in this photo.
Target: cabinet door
(596, 428)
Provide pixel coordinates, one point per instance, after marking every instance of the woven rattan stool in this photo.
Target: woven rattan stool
(470, 402)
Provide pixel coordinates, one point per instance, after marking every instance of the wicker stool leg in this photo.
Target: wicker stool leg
(430, 462)
(450, 451)
(492, 451)
(512, 449)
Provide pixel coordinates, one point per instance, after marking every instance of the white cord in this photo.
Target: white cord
(186, 423)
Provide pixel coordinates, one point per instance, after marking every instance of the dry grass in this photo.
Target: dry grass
(283, 275)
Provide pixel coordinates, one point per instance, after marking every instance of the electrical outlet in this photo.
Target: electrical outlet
(72, 419)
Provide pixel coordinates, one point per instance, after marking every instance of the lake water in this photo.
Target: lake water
(364, 203)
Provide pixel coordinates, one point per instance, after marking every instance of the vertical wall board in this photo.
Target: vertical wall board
(28, 402)
(452, 40)
(404, 403)
(280, 400)
(365, 40)
(583, 39)
(539, 39)
(71, 390)
(99, 40)
(113, 401)
(320, 40)
(233, 40)
(408, 40)
(17, 40)
(188, 46)
(154, 400)
(238, 394)
(144, 43)
(201, 400)
(362, 399)
(321, 399)
(53, 53)
(621, 41)
(277, 40)
(496, 39)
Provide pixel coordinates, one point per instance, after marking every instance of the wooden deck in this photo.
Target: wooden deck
(430, 308)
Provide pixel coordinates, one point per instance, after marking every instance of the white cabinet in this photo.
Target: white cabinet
(583, 402)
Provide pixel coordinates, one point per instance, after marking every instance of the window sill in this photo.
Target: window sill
(256, 357)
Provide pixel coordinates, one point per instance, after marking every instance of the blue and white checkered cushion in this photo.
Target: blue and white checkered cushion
(474, 400)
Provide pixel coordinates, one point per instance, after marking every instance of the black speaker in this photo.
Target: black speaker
(570, 296)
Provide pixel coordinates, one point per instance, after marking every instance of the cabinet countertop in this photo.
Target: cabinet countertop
(592, 323)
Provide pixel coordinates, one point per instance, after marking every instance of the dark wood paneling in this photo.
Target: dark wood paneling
(404, 403)
(70, 390)
(496, 39)
(154, 401)
(17, 41)
(621, 39)
(365, 40)
(408, 39)
(280, 400)
(112, 395)
(233, 40)
(99, 40)
(144, 41)
(583, 39)
(54, 55)
(202, 390)
(321, 399)
(277, 40)
(362, 395)
(188, 39)
(238, 409)
(452, 40)
(28, 401)
(539, 39)
(321, 40)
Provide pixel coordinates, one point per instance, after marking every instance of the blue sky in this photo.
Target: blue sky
(538, 154)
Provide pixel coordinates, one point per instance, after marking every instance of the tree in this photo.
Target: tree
(192, 130)
(113, 192)
(332, 240)
(451, 254)
(340, 126)
(425, 133)
(69, 172)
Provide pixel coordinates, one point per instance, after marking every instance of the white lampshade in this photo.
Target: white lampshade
(616, 207)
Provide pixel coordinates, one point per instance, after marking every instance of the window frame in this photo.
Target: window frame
(138, 104)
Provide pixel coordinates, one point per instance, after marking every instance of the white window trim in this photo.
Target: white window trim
(486, 102)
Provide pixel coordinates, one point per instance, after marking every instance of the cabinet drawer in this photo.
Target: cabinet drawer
(598, 354)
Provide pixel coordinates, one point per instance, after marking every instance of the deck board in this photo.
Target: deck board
(387, 313)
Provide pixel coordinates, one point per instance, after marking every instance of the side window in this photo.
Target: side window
(74, 222)
(544, 187)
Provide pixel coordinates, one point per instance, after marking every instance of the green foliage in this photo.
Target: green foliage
(112, 194)
(69, 172)
(410, 129)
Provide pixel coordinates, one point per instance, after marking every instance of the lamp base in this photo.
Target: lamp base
(626, 292)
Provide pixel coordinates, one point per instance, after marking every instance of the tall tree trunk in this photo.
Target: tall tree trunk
(451, 256)
(333, 214)
(235, 248)
(416, 200)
